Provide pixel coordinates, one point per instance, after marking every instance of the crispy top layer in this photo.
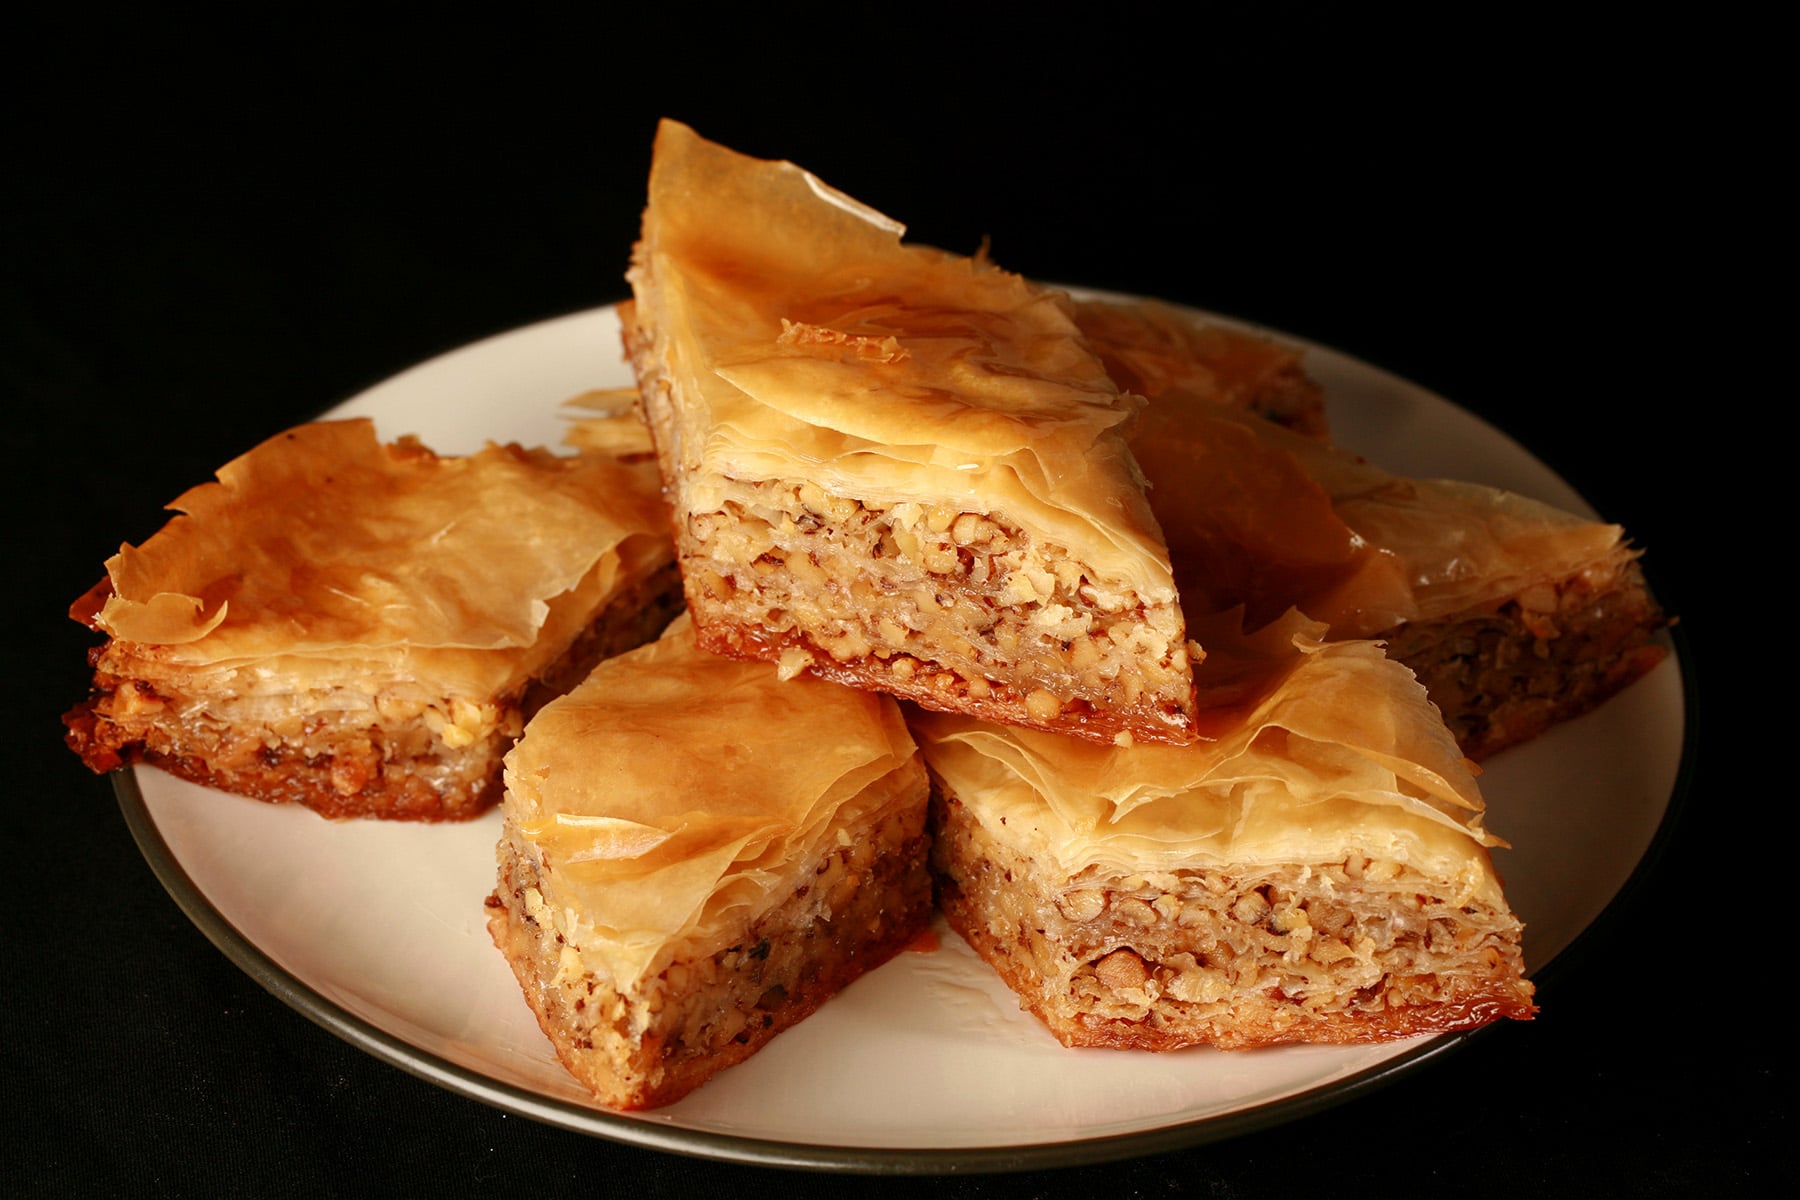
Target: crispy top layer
(322, 541)
(1262, 517)
(1315, 750)
(805, 340)
(676, 789)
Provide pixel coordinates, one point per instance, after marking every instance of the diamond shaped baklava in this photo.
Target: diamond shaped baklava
(891, 466)
(696, 855)
(363, 628)
(1314, 870)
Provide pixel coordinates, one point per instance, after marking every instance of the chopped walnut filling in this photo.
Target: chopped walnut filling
(343, 751)
(1504, 675)
(647, 1045)
(357, 742)
(933, 603)
(1227, 958)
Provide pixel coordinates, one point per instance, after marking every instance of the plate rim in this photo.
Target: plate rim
(754, 1151)
(395, 1051)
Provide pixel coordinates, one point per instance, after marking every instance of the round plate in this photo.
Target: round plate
(377, 930)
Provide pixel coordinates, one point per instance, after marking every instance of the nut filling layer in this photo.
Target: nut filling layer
(349, 747)
(658, 1040)
(948, 608)
(1351, 951)
(1505, 675)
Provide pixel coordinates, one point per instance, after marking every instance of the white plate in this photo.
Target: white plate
(377, 930)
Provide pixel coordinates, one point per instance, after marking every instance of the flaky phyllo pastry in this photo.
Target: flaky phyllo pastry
(609, 421)
(1155, 349)
(1513, 613)
(362, 628)
(891, 466)
(695, 855)
(1316, 870)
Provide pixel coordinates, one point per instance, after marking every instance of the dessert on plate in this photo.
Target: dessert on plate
(362, 628)
(695, 855)
(1314, 870)
(1513, 613)
(891, 466)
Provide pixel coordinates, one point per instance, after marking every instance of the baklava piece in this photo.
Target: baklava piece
(1514, 614)
(364, 628)
(1315, 872)
(1152, 349)
(696, 855)
(893, 467)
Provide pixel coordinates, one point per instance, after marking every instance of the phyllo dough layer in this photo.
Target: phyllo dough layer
(891, 466)
(1155, 349)
(1513, 613)
(696, 855)
(1316, 871)
(362, 628)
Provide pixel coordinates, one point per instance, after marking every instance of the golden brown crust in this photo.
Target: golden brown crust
(1514, 614)
(1151, 349)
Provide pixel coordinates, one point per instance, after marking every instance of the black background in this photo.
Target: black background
(213, 232)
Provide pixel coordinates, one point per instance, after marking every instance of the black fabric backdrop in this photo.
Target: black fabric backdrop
(213, 232)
